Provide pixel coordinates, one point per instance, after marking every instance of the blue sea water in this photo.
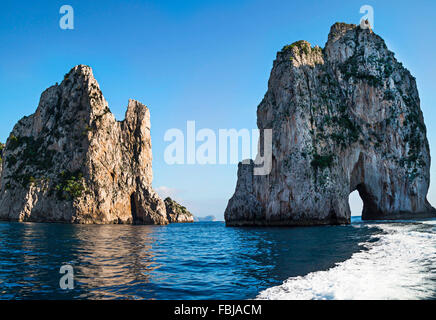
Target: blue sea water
(206, 260)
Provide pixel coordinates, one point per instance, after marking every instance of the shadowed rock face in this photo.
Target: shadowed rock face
(344, 118)
(177, 212)
(2, 146)
(71, 161)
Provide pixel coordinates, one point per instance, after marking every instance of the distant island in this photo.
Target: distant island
(205, 219)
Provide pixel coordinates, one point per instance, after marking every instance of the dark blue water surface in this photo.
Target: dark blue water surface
(204, 260)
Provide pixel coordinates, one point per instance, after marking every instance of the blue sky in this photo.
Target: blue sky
(207, 61)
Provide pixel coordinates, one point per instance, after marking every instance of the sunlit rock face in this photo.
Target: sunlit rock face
(72, 161)
(2, 146)
(344, 118)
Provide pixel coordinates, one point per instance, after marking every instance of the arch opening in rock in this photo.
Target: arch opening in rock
(356, 204)
(371, 209)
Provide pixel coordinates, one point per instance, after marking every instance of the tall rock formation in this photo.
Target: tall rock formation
(71, 161)
(343, 118)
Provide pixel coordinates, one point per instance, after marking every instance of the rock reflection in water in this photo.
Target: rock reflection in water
(202, 260)
(109, 266)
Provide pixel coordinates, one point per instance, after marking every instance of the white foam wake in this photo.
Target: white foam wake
(400, 265)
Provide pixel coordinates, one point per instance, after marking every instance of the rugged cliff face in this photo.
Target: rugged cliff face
(177, 212)
(2, 146)
(343, 118)
(71, 161)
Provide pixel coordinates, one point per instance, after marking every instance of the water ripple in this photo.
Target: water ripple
(179, 261)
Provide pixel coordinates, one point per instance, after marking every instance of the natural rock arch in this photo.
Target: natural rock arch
(371, 207)
(356, 204)
(343, 118)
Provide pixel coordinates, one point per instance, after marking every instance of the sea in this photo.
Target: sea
(207, 260)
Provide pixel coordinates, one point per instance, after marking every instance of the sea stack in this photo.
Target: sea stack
(176, 212)
(72, 161)
(346, 117)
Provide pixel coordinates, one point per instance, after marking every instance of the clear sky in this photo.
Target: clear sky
(201, 60)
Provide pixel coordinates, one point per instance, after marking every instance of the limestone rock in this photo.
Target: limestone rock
(72, 161)
(2, 146)
(343, 118)
(177, 212)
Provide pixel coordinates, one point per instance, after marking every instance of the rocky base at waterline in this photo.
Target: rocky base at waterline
(72, 161)
(344, 117)
(177, 212)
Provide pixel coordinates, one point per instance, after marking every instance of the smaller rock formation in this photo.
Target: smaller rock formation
(177, 212)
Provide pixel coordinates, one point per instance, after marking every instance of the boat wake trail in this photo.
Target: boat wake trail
(399, 262)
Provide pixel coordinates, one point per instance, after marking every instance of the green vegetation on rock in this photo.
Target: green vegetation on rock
(70, 185)
(415, 139)
(2, 146)
(302, 45)
(33, 153)
(350, 69)
(177, 212)
(321, 162)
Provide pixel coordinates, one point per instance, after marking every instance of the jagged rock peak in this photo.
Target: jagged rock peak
(177, 212)
(343, 118)
(339, 29)
(71, 161)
